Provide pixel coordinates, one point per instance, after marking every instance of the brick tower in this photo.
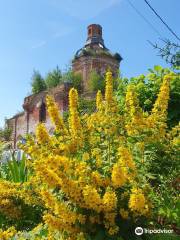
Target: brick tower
(94, 56)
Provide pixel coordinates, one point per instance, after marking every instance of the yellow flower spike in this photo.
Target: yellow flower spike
(109, 201)
(54, 114)
(73, 99)
(126, 158)
(74, 119)
(161, 104)
(137, 202)
(119, 175)
(158, 117)
(92, 198)
(7, 234)
(99, 100)
(109, 88)
(42, 135)
(132, 103)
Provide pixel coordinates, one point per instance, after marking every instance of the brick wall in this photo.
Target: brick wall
(85, 64)
(27, 121)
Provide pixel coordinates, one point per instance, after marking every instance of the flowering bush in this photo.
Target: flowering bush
(19, 202)
(94, 175)
(147, 87)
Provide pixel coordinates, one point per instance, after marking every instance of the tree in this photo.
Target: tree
(75, 79)
(53, 78)
(96, 82)
(170, 52)
(5, 134)
(38, 84)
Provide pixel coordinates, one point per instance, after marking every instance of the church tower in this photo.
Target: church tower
(94, 56)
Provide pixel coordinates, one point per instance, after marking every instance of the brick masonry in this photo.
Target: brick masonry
(27, 121)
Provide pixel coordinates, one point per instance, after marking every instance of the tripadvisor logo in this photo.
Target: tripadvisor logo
(139, 231)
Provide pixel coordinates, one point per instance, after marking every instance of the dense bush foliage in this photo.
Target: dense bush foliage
(147, 88)
(100, 175)
(37, 83)
(5, 134)
(53, 78)
(20, 206)
(96, 82)
(75, 79)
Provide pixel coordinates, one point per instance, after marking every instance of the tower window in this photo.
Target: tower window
(89, 31)
(42, 113)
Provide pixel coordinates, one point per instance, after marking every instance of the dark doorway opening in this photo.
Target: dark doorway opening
(42, 113)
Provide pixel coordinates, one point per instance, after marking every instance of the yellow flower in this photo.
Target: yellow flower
(99, 100)
(137, 202)
(92, 198)
(157, 120)
(73, 99)
(7, 234)
(54, 114)
(109, 200)
(161, 104)
(109, 88)
(42, 134)
(127, 162)
(123, 213)
(74, 119)
(85, 156)
(113, 230)
(119, 175)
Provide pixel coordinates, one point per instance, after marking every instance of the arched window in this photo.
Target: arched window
(42, 112)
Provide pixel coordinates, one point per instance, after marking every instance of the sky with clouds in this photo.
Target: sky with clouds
(41, 34)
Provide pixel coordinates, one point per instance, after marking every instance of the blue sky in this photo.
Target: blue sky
(41, 34)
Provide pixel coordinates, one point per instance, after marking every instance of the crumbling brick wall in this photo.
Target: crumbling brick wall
(27, 121)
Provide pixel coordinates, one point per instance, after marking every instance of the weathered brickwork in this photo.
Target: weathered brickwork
(94, 56)
(27, 121)
(86, 64)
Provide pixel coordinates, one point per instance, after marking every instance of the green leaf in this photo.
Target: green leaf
(157, 68)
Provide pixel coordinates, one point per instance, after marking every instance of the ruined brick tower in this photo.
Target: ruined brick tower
(94, 56)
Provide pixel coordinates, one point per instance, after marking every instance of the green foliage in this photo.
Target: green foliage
(38, 84)
(53, 78)
(14, 169)
(5, 134)
(1, 149)
(147, 87)
(75, 79)
(96, 82)
(87, 106)
(4, 146)
(170, 52)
